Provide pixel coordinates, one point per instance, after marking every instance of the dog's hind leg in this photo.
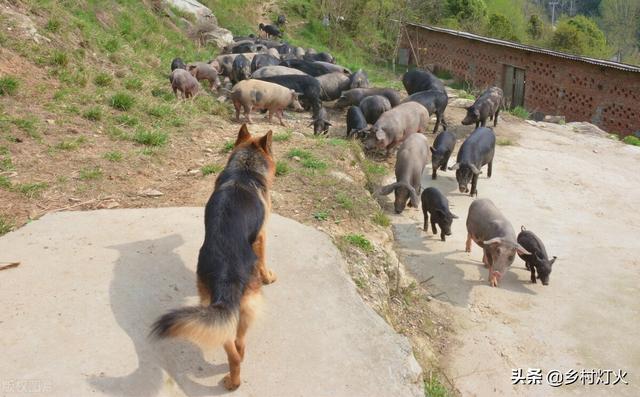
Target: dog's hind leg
(267, 275)
(204, 292)
(232, 380)
(248, 308)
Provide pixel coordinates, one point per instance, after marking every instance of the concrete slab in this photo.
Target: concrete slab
(75, 314)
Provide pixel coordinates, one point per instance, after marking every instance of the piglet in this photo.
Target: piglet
(538, 259)
(436, 204)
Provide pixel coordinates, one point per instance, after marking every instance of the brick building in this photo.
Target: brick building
(581, 89)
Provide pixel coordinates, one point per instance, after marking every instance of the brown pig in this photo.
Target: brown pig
(257, 94)
(203, 71)
(183, 81)
(395, 125)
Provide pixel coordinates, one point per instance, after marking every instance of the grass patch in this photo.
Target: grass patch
(151, 138)
(28, 125)
(5, 225)
(344, 201)
(371, 168)
(5, 183)
(282, 136)
(321, 216)
(359, 241)
(282, 168)
(31, 190)
(122, 101)
(53, 26)
(631, 140)
(504, 142)
(520, 112)
(8, 85)
(114, 156)
(433, 387)
(133, 84)
(380, 218)
(227, 147)
(70, 144)
(314, 163)
(443, 74)
(211, 169)
(93, 114)
(338, 142)
(117, 134)
(301, 153)
(90, 174)
(103, 79)
(162, 93)
(125, 119)
(159, 111)
(59, 58)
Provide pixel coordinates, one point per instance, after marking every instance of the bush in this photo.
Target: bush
(102, 79)
(520, 112)
(93, 114)
(631, 140)
(500, 27)
(8, 85)
(359, 241)
(580, 35)
(122, 101)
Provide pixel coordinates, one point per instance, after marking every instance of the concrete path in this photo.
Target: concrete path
(75, 314)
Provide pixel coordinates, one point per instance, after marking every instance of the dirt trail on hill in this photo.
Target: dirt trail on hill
(578, 193)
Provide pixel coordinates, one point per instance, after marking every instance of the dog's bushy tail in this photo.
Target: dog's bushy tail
(206, 326)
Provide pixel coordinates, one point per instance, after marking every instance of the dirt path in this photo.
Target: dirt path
(578, 192)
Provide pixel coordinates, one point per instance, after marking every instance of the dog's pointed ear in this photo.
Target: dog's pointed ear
(265, 142)
(243, 135)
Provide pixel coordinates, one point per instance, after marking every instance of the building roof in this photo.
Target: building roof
(506, 43)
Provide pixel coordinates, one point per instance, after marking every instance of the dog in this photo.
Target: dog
(231, 263)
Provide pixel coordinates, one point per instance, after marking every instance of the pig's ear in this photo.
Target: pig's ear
(265, 142)
(495, 240)
(243, 135)
(520, 249)
(454, 167)
(551, 262)
(379, 133)
(475, 169)
(387, 189)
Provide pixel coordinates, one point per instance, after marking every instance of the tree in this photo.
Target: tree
(500, 27)
(580, 35)
(620, 22)
(535, 27)
(470, 14)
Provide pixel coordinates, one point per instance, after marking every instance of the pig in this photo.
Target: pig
(321, 122)
(488, 228)
(270, 30)
(299, 53)
(413, 155)
(356, 123)
(435, 101)
(270, 71)
(476, 151)
(216, 65)
(373, 106)
(436, 204)
(487, 105)
(395, 125)
(285, 48)
(355, 95)
(257, 94)
(441, 151)
(203, 71)
(241, 69)
(310, 68)
(334, 68)
(359, 79)
(262, 60)
(421, 80)
(226, 62)
(177, 63)
(538, 259)
(281, 20)
(244, 46)
(332, 85)
(322, 57)
(306, 86)
(273, 52)
(183, 81)
(269, 43)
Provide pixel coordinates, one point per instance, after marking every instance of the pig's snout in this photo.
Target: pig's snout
(463, 189)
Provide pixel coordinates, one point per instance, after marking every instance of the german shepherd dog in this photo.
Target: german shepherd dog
(231, 263)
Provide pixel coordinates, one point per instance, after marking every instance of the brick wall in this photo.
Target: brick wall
(605, 96)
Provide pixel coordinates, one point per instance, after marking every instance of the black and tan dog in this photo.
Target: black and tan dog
(231, 264)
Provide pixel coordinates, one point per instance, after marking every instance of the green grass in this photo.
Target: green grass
(103, 79)
(91, 174)
(631, 140)
(344, 201)
(5, 183)
(118, 134)
(28, 125)
(282, 168)
(338, 142)
(31, 190)
(159, 111)
(163, 94)
(133, 84)
(433, 388)
(504, 142)
(5, 225)
(371, 168)
(93, 114)
(211, 169)
(520, 112)
(359, 241)
(126, 120)
(70, 144)
(8, 85)
(151, 138)
(228, 146)
(53, 26)
(314, 163)
(282, 136)
(122, 101)
(301, 153)
(59, 58)
(114, 156)
(443, 74)
(380, 218)
(321, 215)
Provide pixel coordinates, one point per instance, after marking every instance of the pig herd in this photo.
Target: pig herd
(270, 75)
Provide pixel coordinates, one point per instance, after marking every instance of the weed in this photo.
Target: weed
(148, 151)
(314, 163)
(5, 225)
(90, 174)
(360, 282)
(380, 218)
(344, 201)
(133, 84)
(338, 142)
(53, 25)
(122, 101)
(301, 153)
(27, 125)
(211, 169)
(31, 190)
(227, 147)
(93, 114)
(8, 85)
(631, 140)
(163, 94)
(520, 112)
(159, 111)
(102, 79)
(151, 138)
(114, 156)
(5, 183)
(433, 387)
(371, 168)
(112, 45)
(125, 119)
(359, 241)
(118, 135)
(70, 144)
(321, 215)
(504, 142)
(282, 168)
(282, 136)
(59, 58)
